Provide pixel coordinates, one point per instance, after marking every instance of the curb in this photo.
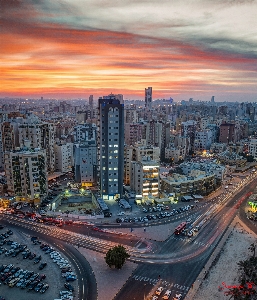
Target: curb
(210, 263)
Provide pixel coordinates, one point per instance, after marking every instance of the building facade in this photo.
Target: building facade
(26, 174)
(111, 147)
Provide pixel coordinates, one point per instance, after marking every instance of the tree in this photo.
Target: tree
(252, 248)
(116, 257)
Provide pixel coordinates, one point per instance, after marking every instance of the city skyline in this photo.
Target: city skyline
(78, 48)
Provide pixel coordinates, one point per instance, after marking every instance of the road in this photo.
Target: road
(179, 261)
(174, 263)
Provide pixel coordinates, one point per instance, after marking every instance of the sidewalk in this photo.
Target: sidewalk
(231, 249)
(109, 281)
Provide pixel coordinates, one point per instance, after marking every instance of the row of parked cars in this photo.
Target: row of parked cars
(66, 270)
(161, 215)
(24, 279)
(60, 261)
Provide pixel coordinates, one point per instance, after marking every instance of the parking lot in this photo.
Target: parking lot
(30, 269)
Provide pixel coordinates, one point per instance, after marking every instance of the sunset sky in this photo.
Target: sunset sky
(183, 49)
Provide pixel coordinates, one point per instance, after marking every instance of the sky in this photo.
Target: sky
(182, 49)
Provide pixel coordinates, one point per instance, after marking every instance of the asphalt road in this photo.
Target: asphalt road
(180, 260)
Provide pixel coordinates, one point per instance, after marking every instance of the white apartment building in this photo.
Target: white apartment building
(85, 162)
(218, 147)
(130, 115)
(175, 154)
(208, 167)
(1, 151)
(85, 132)
(203, 140)
(138, 153)
(41, 135)
(26, 174)
(63, 157)
(204, 122)
(253, 148)
(145, 177)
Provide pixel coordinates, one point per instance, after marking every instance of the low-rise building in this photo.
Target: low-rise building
(197, 182)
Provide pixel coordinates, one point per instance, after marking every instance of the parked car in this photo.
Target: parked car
(71, 278)
(44, 288)
(42, 266)
(69, 287)
(38, 287)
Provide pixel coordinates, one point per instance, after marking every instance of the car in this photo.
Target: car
(42, 266)
(32, 285)
(44, 288)
(196, 201)
(25, 284)
(71, 278)
(159, 291)
(41, 277)
(32, 255)
(38, 287)
(166, 295)
(177, 297)
(37, 259)
(155, 298)
(69, 287)
(13, 282)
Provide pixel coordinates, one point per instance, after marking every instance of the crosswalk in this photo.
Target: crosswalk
(175, 288)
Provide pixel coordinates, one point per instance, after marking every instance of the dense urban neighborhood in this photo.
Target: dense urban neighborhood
(143, 185)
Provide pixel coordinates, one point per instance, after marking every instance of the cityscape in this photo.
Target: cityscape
(128, 150)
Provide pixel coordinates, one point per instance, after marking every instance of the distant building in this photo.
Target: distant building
(227, 133)
(148, 97)
(91, 101)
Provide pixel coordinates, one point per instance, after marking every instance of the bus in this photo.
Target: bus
(180, 227)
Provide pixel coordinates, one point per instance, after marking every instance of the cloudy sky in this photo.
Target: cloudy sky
(183, 49)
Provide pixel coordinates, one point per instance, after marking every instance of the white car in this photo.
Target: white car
(166, 295)
(159, 290)
(177, 297)
(155, 298)
(196, 201)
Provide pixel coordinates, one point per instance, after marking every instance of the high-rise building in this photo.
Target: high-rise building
(148, 97)
(91, 101)
(111, 147)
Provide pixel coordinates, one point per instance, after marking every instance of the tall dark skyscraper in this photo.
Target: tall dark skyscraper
(91, 101)
(148, 97)
(111, 146)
